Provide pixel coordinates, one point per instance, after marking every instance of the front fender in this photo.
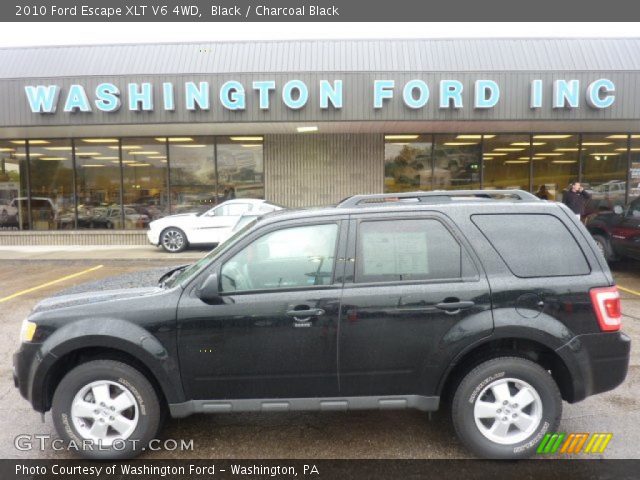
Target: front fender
(115, 334)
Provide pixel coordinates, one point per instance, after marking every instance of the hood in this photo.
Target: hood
(177, 216)
(86, 298)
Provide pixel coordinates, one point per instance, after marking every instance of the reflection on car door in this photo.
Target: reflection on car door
(274, 332)
(410, 289)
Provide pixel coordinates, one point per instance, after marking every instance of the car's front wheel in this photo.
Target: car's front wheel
(504, 407)
(173, 240)
(105, 409)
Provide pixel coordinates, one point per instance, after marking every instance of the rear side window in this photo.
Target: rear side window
(533, 245)
(403, 250)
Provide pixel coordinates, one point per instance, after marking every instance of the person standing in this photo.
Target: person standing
(576, 198)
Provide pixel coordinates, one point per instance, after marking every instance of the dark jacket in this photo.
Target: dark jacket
(576, 201)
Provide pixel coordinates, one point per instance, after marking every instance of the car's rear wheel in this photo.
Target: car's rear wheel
(108, 407)
(173, 240)
(504, 407)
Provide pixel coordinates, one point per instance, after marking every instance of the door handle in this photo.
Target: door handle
(452, 307)
(311, 312)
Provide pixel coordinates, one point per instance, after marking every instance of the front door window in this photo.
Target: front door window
(288, 258)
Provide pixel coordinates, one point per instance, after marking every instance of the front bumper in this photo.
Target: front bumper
(154, 237)
(599, 362)
(26, 367)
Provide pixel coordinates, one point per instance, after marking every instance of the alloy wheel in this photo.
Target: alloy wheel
(173, 240)
(508, 411)
(104, 411)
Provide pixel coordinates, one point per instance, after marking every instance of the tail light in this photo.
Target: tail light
(606, 303)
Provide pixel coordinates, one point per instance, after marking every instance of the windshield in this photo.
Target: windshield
(194, 268)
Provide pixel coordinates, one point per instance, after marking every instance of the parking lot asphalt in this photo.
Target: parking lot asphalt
(364, 434)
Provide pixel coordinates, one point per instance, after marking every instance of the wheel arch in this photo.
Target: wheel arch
(512, 346)
(134, 346)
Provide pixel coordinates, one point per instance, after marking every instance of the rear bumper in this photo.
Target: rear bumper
(599, 362)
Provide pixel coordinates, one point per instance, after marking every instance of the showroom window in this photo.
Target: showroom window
(555, 162)
(14, 214)
(604, 170)
(506, 161)
(192, 174)
(240, 167)
(144, 178)
(407, 163)
(456, 161)
(98, 182)
(52, 192)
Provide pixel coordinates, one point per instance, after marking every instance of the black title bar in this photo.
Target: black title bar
(318, 11)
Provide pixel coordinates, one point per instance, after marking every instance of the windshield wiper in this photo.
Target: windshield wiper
(162, 281)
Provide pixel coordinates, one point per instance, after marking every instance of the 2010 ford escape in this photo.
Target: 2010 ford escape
(493, 301)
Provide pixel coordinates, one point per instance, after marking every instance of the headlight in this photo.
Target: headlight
(27, 331)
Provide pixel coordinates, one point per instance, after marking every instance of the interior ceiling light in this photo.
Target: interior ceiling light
(174, 139)
(451, 144)
(31, 142)
(401, 137)
(52, 158)
(595, 144)
(199, 145)
(567, 149)
(100, 140)
(126, 147)
(145, 152)
(550, 137)
(307, 129)
(246, 139)
(473, 137)
(59, 149)
(526, 144)
(508, 149)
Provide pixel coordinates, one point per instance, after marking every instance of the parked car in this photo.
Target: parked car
(408, 300)
(43, 212)
(175, 232)
(617, 232)
(8, 212)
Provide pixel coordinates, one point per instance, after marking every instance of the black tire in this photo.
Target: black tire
(474, 384)
(604, 245)
(175, 233)
(149, 412)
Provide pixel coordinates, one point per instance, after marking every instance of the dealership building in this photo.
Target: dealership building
(96, 141)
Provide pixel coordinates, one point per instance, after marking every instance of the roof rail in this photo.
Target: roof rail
(435, 196)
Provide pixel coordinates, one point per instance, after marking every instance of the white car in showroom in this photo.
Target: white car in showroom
(176, 232)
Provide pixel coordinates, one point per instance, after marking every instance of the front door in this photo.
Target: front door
(273, 334)
(412, 292)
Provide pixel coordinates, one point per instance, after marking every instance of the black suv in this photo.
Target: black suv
(493, 301)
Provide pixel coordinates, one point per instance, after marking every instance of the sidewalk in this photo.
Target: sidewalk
(95, 252)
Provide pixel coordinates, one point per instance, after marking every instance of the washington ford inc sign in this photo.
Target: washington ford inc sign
(232, 95)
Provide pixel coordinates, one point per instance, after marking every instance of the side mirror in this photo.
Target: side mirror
(618, 210)
(209, 291)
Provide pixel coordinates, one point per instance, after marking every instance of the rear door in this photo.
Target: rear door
(413, 290)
